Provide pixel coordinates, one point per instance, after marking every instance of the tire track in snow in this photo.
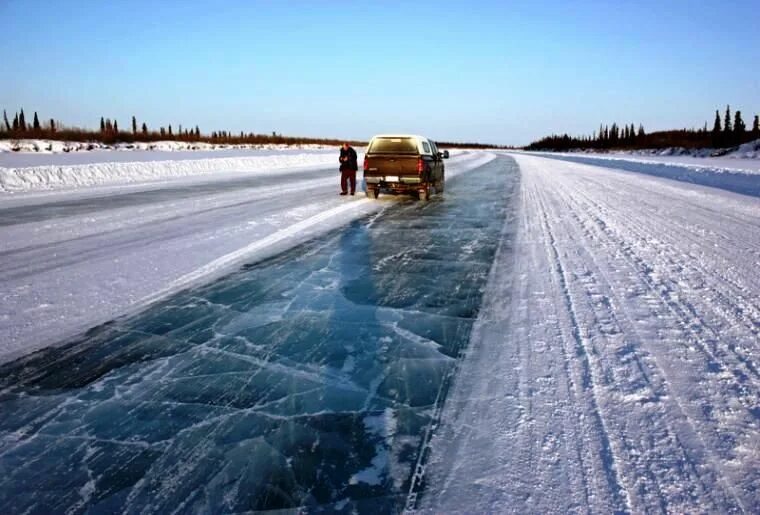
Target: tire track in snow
(589, 235)
(617, 319)
(734, 313)
(692, 326)
(742, 286)
(520, 434)
(583, 354)
(744, 312)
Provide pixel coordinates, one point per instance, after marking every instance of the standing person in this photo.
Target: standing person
(348, 168)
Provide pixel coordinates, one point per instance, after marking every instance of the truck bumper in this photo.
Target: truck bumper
(388, 180)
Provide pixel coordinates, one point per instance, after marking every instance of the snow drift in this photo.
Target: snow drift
(48, 177)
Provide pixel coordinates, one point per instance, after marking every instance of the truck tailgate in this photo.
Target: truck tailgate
(393, 165)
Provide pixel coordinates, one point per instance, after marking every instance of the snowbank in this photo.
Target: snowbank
(48, 177)
(749, 150)
(46, 146)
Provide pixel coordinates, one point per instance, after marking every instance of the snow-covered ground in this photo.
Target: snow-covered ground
(614, 365)
(73, 258)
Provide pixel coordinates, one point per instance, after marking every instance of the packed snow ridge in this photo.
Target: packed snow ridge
(148, 168)
(48, 146)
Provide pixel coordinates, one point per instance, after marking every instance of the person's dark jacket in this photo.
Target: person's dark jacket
(349, 164)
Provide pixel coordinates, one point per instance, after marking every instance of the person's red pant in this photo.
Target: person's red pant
(347, 176)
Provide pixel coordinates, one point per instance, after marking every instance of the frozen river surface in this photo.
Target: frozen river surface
(312, 379)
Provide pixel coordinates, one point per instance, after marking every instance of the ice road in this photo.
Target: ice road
(551, 337)
(311, 379)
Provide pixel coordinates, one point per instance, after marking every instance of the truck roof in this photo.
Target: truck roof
(416, 136)
(425, 146)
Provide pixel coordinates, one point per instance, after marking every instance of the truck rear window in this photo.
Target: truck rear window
(393, 146)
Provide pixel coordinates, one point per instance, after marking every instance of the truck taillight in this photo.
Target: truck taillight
(366, 164)
(420, 165)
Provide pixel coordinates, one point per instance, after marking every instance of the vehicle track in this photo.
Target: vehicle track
(605, 264)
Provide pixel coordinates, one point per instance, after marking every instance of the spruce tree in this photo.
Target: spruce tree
(756, 128)
(115, 127)
(15, 123)
(102, 125)
(36, 122)
(5, 120)
(716, 125)
(22, 122)
(109, 126)
(144, 129)
(727, 122)
(134, 125)
(52, 125)
(717, 131)
(170, 130)
(739, 128)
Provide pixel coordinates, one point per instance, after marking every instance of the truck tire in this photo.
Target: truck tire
(424, 193)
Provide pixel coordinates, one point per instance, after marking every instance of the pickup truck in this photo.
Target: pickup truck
(404, 164)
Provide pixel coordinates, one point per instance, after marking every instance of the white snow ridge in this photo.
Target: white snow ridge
(47, 177)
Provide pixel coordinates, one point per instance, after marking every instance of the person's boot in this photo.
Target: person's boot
(343, 193)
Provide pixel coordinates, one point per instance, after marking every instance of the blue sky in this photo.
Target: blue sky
(499, 72)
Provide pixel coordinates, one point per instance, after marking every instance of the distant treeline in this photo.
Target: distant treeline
(110, 132)
(731, 132)
(457, 144)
